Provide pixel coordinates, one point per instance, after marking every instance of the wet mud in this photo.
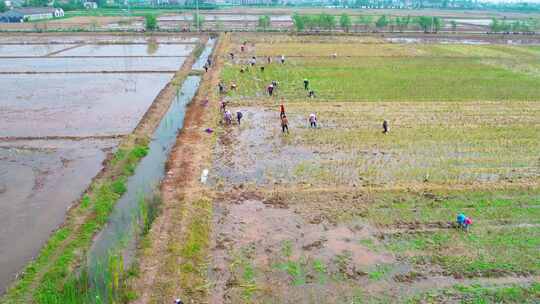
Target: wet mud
(39, 180)
(268, 236)
(93, 38)
(86, 64)
(36, 50)
(128, 50)
(257, 151)
(48, 105)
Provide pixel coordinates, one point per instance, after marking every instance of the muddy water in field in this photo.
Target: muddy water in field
(151, 49)
(76, 104)
(35, 50)
(39, 180)
(52, 64)
(125, 221)
(261, 231)
(203, 58)
(69, 39)
(258, 152)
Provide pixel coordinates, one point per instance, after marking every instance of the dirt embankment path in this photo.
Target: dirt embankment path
(160, 278)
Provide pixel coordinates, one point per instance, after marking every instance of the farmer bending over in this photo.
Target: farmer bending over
(385, 127)
(228, 117)
(284, 124)
(270, 89)
(281, 110)
(313, 120)
(463, 221)
(221, 87)
(239, 116)
(282, 59)
(311, 94)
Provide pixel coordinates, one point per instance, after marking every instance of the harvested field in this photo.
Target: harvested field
(343, 213)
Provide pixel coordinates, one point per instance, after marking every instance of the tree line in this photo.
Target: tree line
(518, 26)
(366, 23)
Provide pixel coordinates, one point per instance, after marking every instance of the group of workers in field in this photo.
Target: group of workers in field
(270, 90)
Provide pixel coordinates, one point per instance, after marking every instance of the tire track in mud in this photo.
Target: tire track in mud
(63, 50)
(74, 220)
(74, 138)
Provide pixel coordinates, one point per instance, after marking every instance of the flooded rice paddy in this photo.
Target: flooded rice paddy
(57, 129)
(88, 64)
(125, 50)
(41, 105)
(34, 50)
(39, 180)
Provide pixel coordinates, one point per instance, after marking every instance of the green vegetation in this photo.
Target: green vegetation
(322, 21)
(50, 277)
(198, 21)
(429, 24)
(187, 257)
(345, 22)
(518, 26)
(382, 22)
(3, 7)
(503, 240)
(482, 294)
(264, 22)
(150, 22)
(390, 79)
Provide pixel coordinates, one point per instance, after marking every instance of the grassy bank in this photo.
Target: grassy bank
(44, 278)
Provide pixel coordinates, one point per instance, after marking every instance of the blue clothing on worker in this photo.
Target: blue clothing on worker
(461, 218)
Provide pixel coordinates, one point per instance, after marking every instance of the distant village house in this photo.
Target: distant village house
(31, 14)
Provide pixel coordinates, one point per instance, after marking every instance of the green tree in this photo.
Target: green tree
(382, 22)
(366, 21)
(198, 20)
(38, 3)
(437, 24)
(150, 22)
(494, 26)
(402, 22)
(326, 21)
(454, 25)
(264, 22)
(345, 22)
(3, 7)
(425, 23)
(298, 22)
(429, 24)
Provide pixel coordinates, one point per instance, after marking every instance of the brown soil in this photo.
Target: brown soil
(180, 187)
